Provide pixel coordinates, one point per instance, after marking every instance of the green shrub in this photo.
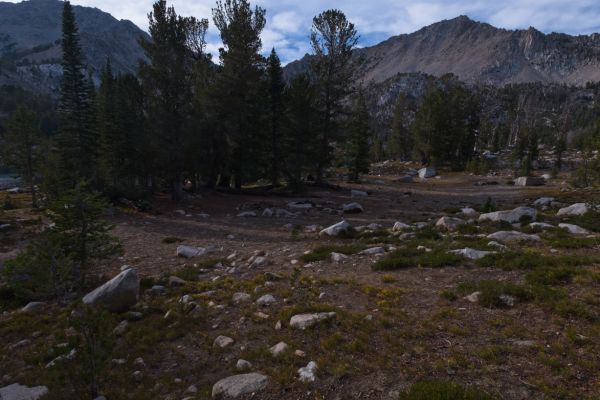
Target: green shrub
(411, 257)
(443, 390)
(491, 291)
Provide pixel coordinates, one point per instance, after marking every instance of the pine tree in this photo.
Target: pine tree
(110, 145)
(359, 133)
(22, 148)
(332, 39)
(238, 105)
(300, 128)
(168, 88)
(76, 141)
(276, 110)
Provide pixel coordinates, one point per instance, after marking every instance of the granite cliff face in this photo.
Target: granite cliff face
(480, 53)
(30, 51)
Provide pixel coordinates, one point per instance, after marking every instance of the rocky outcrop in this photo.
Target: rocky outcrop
(118, 294)
(238, 385)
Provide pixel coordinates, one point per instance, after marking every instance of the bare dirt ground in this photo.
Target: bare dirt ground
(392, 328)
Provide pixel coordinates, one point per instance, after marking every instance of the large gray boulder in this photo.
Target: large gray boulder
(238, 385)
(513, 236)
(574, 209)
(190, 251)
(449, 223)
(574, 229)
(118, 294)
(20, 392)
(510, 216)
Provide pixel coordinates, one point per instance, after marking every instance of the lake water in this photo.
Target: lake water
(8, 181)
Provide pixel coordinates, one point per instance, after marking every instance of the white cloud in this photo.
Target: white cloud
(288, 21)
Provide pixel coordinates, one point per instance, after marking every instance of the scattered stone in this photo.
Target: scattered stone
(427, 173)
(241, 297)
(239, 385)
(175, 281)
(33, 307)
(307, 374)
(543, 201)
(373, 251)
(337, 257)
(449, 223)
(335, 230)
(530, 181)
(541, 225)
(190, 251)
(400, 226)
(279, 349)
(278, 326)
(65, 357)
(180, 212)
(138, 376)
(20, 392)
(497, 245)
(300, 353)
(574, 229)
(121, 328)
(261, 315)
(469, 212)
(511, 216)
(513, 236)
(472, 254)
(223, 341)
(303, 321)
(268, 212)
(473, 297)
(157, 290)
(19, 344)
(266, 300)
(243, 365)
(358, 193)
(352, 208)
(574, 209)
(192, 389)
(118, 294)
(507, 300)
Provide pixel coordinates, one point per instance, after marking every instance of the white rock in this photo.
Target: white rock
(574, 209)
(335, 230)
(513, 236)
(121, 328)
(118, 294)
(266, 300)
(449, 223)
(352, 208)
(190, 251)
(268, 212)
(373, 251)
(243, 365)
(543, 201)
(427, 173)
(223, 341)
(472, 254)
(574, 229)
(300, 205)
(20, 392)
(473, 297)
(469, 212)
(33, 307)
(337, 257)
(400, 226)
(541, 225)
(239, 385)
(279, 349)
(497, 245)
(307, 374)
(511, 216)
(303, 321)
(241, 297)
(529, 181)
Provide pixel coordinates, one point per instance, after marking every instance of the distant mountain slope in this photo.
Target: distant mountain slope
(480, 53)
(30, 50)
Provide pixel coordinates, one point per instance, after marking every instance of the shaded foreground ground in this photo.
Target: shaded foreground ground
(392, 328)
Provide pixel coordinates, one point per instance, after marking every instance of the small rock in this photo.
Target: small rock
(449, 223)
(352, 208)
(513, 236)
(121, 328)
(574, 229)
(507, 300)
(335, 230)
(192, 389)
(278, 326)
(266, 300)
(373, 251)
(543, 201)
(471, 254)
(303, 321)
(511, 216)
(358, 193)
(241, 297)
(300, 353)
(307, 374)
(400, 226)
(243, 365)
(138, 376)
(190, 251)
(427, 173)
(175, 281)
(33, 307)
(337, 257)
(20, 392)
(118, 294)
(473, 297)
(223, 341)
(574, 209)
(279, 349)
(239, 385)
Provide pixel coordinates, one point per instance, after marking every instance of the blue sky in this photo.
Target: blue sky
(288, 21)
